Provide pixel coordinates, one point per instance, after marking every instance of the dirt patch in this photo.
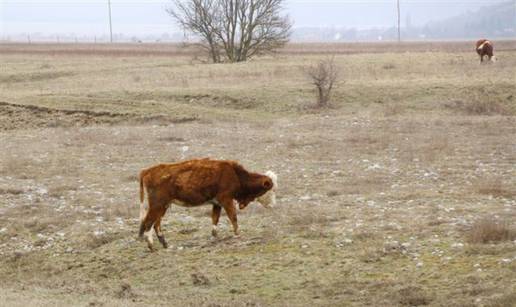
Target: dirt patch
(36, 76)
(17, 116)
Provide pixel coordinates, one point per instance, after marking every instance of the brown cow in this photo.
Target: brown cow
(200, 182)
(485, 48)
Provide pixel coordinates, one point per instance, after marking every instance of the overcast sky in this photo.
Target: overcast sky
(137, 17)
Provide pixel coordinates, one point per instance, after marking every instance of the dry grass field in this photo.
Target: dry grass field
(402, 193)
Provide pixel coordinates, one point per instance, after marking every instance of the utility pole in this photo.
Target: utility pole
(399, 22)
(110, 24)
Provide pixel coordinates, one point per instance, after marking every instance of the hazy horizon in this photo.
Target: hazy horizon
(131, 17)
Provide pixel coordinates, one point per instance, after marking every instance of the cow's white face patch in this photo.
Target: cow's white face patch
(268, 200)
(493, 59)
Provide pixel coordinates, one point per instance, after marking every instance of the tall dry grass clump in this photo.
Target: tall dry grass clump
(494, 187)
(490, 231)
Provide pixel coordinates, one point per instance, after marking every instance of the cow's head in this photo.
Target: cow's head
(268, 200)
(493, 59)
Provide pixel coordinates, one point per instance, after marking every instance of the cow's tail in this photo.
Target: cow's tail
(142, 197)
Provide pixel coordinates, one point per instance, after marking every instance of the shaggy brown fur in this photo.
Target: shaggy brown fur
(195, 183)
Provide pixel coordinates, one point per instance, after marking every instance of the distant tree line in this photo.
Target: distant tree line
(491, 21)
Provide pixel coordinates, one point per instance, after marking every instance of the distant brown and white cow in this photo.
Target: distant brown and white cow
(200, 182)
(485, 48)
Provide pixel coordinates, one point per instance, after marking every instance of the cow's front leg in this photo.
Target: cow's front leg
(232, 215)
(215, 215)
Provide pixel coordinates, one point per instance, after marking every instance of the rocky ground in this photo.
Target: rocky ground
(401, 193)
(371, 211)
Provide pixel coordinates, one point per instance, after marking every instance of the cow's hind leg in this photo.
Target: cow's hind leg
(146, 226)
(157, 229)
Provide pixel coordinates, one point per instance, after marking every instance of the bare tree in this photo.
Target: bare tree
(323, 76)
(199, 17)
(234, 30)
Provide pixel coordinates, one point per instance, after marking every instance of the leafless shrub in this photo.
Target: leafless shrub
(60, 191)
(125, 291)
(304, 218)
(388, 66)
(96, 241)
(199, 279)
(489, 230)
(393, 109)
(487, 249)
(42, 224)
(503, 301)
(323, 76)
(486, 107)
(494, 187)
(370, 254)
(114, 211)
(413, 296)
(11, 191)
(435, 147)
(332, 193)
(480, 106)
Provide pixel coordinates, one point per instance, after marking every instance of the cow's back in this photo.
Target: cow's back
(191, 182)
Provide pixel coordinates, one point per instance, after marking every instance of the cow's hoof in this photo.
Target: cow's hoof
(214, 233)
(162, 241)
(151, 248)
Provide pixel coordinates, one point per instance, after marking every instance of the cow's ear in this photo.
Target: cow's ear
(267, 184)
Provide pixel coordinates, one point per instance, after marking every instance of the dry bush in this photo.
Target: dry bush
(44, 224)
(304, 218)
(370, 254)
(435, 147)
(113, 211)
(488, 230)
(486, 107)
(17, 166)
(503, 301)
(11, 191)
(323, 76)
(480, 105)
(412, 296)
(393, 109)
(388, 66)
(488, 249)
(494, 187)
(96, 241)
(60, 191)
